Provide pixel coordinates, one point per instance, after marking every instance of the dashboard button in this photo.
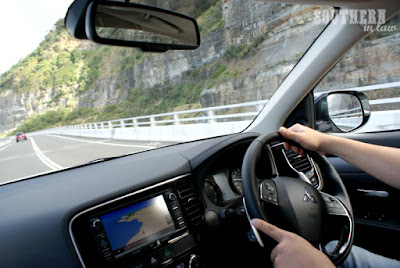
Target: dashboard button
(172, 197)
(153, 261)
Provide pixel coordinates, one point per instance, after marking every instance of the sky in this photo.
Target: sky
(24, 24)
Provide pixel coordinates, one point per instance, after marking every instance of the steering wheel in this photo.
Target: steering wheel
(295, 205)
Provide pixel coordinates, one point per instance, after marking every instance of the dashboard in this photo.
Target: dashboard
(176, 200)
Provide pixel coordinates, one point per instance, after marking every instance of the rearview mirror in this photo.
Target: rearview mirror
(149, 28)
(341, 111)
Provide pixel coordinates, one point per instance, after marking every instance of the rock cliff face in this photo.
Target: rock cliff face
(16, 107)
(370, 62)
(157, 70)
(273, 39)
(257, 45)
(277, 40)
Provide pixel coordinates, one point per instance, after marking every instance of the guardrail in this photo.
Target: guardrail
(196, 123)
(215, 114)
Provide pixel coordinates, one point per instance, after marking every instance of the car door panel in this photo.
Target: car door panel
(375, 204)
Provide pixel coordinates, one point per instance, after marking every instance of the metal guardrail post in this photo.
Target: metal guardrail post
(152, 121)
(135, 123)
(122, 122)
(176, 120)
(211, 115)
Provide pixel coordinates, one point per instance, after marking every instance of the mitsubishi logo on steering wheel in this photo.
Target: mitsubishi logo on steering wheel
(308, 197)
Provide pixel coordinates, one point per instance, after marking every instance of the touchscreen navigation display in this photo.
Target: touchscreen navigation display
(138, 224)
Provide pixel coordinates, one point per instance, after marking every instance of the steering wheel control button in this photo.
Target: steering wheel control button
(268, 192)
(333, 206)
(308, 197)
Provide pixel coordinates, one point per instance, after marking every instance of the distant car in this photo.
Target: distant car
(21, 136)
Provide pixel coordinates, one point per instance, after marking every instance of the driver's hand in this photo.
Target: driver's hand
(308, 138)
(292, 250)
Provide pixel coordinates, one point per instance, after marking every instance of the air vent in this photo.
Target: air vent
(298, 162)
(190, 201)
(305, 166)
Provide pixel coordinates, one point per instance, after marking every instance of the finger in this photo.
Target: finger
(282, 130)
(269, 229)
(296, 149)
(286, 146)
(297, 127)
(274, 253)
(288, 133)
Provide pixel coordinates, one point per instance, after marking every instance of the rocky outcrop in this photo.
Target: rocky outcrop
(157, 70)
(370, 62)
(276, 42)
(16, 107)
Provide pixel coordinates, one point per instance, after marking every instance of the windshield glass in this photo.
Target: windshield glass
(78, 101)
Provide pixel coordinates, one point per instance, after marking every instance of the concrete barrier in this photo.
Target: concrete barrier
(178, 133)
(382, 121)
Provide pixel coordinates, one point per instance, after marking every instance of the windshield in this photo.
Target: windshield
(78, 101)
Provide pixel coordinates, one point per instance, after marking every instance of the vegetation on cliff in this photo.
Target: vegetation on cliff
(62, 62)
(73, 70)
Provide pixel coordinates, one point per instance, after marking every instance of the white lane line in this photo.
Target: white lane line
(7, 146)
(106, 143)
(43, 158)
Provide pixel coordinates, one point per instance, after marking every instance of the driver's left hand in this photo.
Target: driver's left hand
(292, 250)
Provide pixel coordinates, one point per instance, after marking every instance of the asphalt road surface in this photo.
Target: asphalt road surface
(47, 152)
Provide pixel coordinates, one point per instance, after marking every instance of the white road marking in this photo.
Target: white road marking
(106, 143)
(43, 158)
(7, 146)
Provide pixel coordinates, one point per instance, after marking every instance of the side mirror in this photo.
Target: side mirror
(341, 111)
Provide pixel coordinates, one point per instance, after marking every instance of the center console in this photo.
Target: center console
(149, 228)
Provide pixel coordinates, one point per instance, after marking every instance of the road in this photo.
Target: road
(48, 152)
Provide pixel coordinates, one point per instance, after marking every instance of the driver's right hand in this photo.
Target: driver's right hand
(308, 138)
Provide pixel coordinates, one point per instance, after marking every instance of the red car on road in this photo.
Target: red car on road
(21, 136)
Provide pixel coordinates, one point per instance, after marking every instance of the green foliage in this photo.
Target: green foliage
(47, 120)
(235, 52)
(51, 65)
(56, 118)
(80, 114)
(92, 67)
(155, 100)
(201, 6)
(241, 51)
(218, 72)
(211, 19)
(76, 56)
(131, 57)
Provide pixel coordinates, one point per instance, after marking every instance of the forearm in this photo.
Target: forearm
(381, 162)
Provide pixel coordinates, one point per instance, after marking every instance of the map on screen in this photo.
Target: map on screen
(129, 225)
